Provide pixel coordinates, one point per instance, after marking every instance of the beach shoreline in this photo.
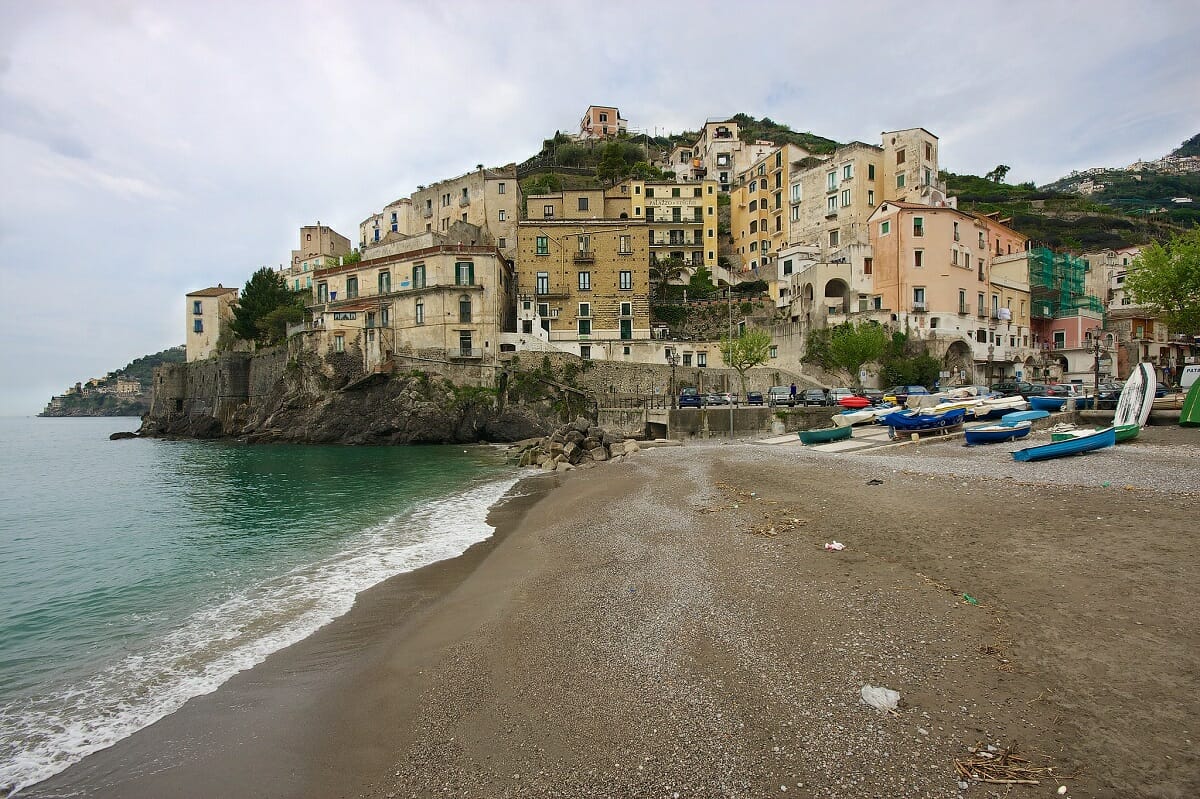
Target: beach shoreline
(672, 624)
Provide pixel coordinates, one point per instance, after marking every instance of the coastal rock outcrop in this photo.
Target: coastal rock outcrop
(569, 446)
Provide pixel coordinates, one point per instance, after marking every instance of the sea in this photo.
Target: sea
(137, 574)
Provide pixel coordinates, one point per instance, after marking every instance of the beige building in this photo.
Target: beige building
(320, 248)
(208, 312)
(759, 208)
(719, 154)
(601, 122)
(490, 199)
(583, 285)
(442, 300)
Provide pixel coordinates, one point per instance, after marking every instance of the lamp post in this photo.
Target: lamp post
(1097, 348)
(673, 359)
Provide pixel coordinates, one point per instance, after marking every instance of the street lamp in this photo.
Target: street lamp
(1097, 348)
(673, 359)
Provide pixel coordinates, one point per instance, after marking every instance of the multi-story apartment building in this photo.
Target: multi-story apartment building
(719, 154)
(435, 299)
(208, 311)
(601, 122)
(487, 198)
(320, 248)
(935, 272)
(583, 284)
(759, 207)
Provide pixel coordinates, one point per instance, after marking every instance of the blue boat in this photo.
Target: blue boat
(995, 433)
(1010, 419)
(913, 422)
(1097, 440)
(1052, 404)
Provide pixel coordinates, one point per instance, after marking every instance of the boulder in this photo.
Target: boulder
(598, 453)
(574, 437)
(611, 438)
(564, 467)
(548, 465)
(631, 447)
(122, 435)
(591, 442)
(581, 425)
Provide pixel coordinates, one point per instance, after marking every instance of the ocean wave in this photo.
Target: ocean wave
(43, 735)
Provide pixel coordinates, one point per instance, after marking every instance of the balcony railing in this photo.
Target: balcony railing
(464, 201)
(427, 213)
(918, 307)
(467, 352)
(585, 256)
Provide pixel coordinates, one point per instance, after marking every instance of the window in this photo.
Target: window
(794, 216)
(919, 297)
(322, 292)
(687, 359)
(584, 327)
(548, 211)
(900, 181)
(626, 280)
(900, 156)
(501, 215)
(585, 352)
(419, 312)
(351, 287)
(762, 184)
(831, 204)
(675, 191)
(500, 188)
(585, 309)
(885, 227)
(196, 307)
(197, 325)
(928, 151)
(754, 226)
(871, 197)
(502, 242)
(979, 300)
(962, 301)
(583, 203)
(543, 283)
(868, 265)
(845, 198)
(627, 309)
(982, 245)
(418, 276)
(778, 199)
(464, 343)
(1060, 339)
(831, 181)
(834, 238)
(796, 192)
(918, 258)
(584, 243)
(464, 310)
(927, 177)
(754, 205)
(870, 171)
(464, 273)
(543, 245)
(339, 343)
(966, 260)
(585, 281)
(773, 351)
(702, 359)
(754, 246)
(787, 267)
(626, 329)
(918, 226)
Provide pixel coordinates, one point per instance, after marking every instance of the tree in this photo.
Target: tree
(997, 175)
(853, 345)
(700, 284)
(662, 272)
(1168, 280)
(258, 316)
(748, 350)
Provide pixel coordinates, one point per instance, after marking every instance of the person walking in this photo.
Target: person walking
(793, 393)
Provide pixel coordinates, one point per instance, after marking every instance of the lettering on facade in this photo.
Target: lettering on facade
(344, 316)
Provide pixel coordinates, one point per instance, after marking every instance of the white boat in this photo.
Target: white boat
(1137, 397)
(998, 405)
(861, 416)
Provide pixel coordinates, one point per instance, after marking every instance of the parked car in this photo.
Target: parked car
(1108, 394)
(1011, 388)
(813, 396)
(900, 394)
(1160, 391)
(690, 398)
(873, 394)
(1036, 390)
(838, 394)
(718, 399)
(1062, 390)
(754, 398)
(983, 392)
(780, 395)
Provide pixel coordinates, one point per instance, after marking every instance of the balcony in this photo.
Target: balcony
(918, 307)
(467, 352)
(585, 256)
(464, 201)
(427, 213)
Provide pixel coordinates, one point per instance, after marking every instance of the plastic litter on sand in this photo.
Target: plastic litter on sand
(882, 699)
(834, 546)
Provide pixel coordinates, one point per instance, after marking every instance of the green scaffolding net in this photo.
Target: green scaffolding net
(1058, 285)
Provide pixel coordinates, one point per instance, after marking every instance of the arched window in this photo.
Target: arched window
(754, 226)
(464, 309)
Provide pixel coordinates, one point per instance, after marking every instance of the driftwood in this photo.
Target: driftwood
(1001, 767)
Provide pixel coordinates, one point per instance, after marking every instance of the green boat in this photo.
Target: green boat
(824, 435)
(1189, 416)
(1125, 432)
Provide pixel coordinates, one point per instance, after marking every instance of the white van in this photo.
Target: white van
(1188, 376)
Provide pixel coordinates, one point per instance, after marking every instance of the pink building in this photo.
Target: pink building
(600, 122)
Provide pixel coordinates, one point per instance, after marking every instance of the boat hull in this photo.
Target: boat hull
(1072, 446)
(1023, 416)
(1137, 397)
(997, 433)
(824, 436)
(1189, 415)
(1052, 404)
(910, 422)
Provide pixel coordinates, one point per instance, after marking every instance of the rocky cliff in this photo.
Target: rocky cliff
(277, 396)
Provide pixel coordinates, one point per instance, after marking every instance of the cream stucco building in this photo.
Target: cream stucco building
(208, 312)
(320, 248)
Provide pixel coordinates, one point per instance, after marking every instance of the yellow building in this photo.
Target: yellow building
(443, 301)
(583, 285)
(208, 312)
(759, 208)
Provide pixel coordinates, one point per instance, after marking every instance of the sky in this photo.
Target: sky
(149, 149)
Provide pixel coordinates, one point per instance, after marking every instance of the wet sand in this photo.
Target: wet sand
(673, 625)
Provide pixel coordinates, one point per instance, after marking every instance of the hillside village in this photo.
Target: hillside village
(656, 263)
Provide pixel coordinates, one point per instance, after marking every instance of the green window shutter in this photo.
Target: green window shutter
(472, 280)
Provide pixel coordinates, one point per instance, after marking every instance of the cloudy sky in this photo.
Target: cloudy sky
(148, 149)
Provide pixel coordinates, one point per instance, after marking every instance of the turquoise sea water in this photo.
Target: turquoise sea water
(137, 574)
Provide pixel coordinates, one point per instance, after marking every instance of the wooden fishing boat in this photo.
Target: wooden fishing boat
(1023, 416)
(997, 407)
(1189, 415)
(1127, 432)
(824, 435)
(1074, 445)
(849, 418)
(1051, 404)
(995, 433)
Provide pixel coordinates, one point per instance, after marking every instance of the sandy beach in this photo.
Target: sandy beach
(672, 625)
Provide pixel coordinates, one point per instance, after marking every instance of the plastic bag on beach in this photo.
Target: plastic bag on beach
(835, 546)
(882, 699)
